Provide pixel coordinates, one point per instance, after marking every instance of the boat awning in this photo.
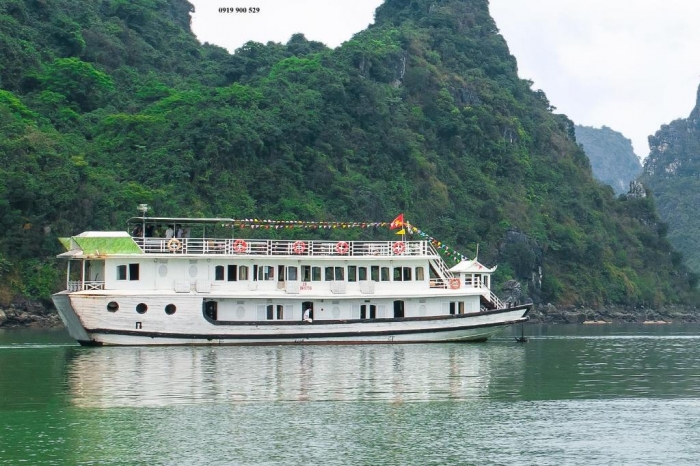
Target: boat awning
(178, 221)
(99, 243)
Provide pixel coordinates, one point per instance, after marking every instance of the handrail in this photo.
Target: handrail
(442, 267)
(78, 285)
(239, 247)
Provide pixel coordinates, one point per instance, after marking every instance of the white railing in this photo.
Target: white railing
(83, 286)
(238, 247)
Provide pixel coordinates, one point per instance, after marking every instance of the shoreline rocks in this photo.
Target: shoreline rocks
(29, 315)
(550, 314)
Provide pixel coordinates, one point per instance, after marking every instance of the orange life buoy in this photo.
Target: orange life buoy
(342, 247)
(240, 246)
(299, 247)
(398, 247)
(455, 283)
(174, 245)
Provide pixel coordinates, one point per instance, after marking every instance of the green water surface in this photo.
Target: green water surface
(609, 394)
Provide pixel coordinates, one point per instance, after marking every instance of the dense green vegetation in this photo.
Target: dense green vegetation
(612, 158)
(108, 104)
(672, 171)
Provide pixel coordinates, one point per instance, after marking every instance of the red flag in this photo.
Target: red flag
(397, 223)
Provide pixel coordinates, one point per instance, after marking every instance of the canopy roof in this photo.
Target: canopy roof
(472, 266)
(178, 221)
(98, 243)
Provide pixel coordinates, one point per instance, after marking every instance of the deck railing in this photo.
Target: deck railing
(240, 247)
(78, 285)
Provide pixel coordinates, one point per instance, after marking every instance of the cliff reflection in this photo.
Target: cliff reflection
(134, 377)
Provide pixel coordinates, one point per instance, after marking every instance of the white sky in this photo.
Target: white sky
(632, 65)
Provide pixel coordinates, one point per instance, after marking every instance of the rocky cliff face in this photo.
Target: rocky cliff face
(612, 158)
(672, 172)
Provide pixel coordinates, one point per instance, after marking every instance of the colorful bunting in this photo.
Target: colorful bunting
(398, 222)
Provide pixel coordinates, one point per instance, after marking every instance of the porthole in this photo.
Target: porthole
(163, 270)
(141, 308)
(170, 309)
(113, 306)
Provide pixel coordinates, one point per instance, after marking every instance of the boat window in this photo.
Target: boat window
(280, 312)
(255, 272)
(305, 273)
(385, 274)
(219, 272)
(316, 274)
(243, 272)
(433, 273)
(232, 273)
(419, 274)
(292, 273)
(141, 308)
(452, 307)
(113, 306)
(374, 273)
(406, 274)
(266, 272)
(461, 307)
(170, 309)
(352, 273)
(270, 309)
(397, 274)
(339, 273)
(133, 271)
(362, 273)
(329, 274)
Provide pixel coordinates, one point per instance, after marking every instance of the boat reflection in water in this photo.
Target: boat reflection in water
(162, 376)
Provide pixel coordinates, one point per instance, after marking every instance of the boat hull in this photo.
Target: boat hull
(477, 326)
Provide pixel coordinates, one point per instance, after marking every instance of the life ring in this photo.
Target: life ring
(299, 247)
(455, 283)
(240, 246)
(398, 247)
(174, 245)
(342, 248)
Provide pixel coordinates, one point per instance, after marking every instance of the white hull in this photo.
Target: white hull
(194, 330)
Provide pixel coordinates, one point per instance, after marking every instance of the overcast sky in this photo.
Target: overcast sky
(632, 65)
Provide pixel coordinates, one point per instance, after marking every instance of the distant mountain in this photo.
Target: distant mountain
(612, 158)
(108, 104)
(672, 171)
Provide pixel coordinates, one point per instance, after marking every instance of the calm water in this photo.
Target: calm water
(573, 395)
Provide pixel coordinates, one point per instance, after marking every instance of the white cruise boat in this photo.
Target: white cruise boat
(195, 287)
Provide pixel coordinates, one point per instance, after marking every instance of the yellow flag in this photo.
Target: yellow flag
(401, 232)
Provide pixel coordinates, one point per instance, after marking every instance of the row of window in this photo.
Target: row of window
(141, 308)
(309, 273)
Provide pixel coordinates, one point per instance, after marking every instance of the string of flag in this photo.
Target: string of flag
(399, 223)
(282, 224)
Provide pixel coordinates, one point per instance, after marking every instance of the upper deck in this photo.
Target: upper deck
(298, 248)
